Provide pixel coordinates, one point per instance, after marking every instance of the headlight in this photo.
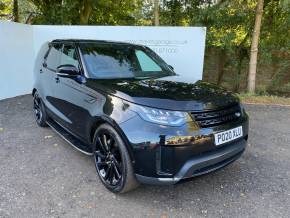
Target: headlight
(158, 116)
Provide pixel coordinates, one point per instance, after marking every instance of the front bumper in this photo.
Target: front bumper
(166, 155)
(202, 164)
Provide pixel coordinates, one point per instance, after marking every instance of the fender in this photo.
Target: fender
(97, 121)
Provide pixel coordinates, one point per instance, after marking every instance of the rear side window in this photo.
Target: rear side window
(53, 57)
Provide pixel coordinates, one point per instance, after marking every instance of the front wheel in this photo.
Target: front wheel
(112, 160)
(39, 110)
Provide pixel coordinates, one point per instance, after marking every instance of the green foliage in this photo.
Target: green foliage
(145, 15)
(26, 9)
(275, 45)
(173, 13)
(230, 25)
(6, 7)
(105, 12)
(54, 11)
(276, 26)
(116, 12)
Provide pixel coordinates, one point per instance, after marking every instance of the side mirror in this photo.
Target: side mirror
(172, 68)
(67, 71)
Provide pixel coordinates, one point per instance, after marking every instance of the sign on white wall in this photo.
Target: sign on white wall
(181, 47)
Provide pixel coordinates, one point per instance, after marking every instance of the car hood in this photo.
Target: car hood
(167, 93)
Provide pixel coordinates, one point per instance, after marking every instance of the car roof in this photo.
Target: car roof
(90, 41)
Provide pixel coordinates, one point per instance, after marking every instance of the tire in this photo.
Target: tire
(112, 160)
(40, 114)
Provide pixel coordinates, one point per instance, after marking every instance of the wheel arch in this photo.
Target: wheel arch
(106, 120)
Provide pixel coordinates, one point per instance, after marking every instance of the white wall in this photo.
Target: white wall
(16, 59)
(181, 47)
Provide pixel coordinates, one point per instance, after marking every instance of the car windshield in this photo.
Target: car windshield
(114, 61)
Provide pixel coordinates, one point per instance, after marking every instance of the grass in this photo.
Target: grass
(263, 99)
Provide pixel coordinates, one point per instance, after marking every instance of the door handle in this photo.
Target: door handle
(57, 79)
(40, 71)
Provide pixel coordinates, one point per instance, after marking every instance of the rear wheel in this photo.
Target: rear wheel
(112, 160)
(39, 111)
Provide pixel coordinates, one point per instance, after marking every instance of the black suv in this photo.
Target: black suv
(122, 104)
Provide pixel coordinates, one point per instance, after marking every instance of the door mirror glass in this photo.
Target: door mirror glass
(67, 71)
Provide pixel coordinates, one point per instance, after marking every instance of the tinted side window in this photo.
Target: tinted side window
(69, 56)
(52, 59)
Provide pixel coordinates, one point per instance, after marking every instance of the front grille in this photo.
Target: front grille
(217, 117)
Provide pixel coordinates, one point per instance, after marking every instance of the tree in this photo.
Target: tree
(274, 46)
(229, 23)
(9, 10)
(6, 8)
(86, 7)
(15, 11)
(156, 12)
(173, 13)
(254, 47)
(86, 12)
(233, 30)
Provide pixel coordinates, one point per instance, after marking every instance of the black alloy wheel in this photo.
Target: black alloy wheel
(39, 111)
(112, 160)
(108, 159)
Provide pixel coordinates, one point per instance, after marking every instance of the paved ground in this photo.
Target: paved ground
(42, 176)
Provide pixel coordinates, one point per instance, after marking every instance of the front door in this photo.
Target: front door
(47, 75)
(71, 96)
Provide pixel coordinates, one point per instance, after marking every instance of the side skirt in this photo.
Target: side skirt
(68, 137)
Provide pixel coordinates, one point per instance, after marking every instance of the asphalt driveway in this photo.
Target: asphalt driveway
(43, 176)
